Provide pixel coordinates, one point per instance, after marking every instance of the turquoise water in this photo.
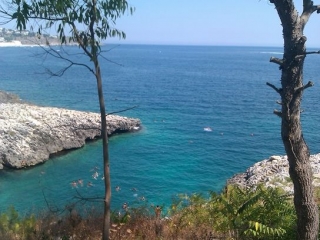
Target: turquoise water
(178, 90)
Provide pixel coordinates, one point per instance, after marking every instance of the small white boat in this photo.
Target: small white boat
(136, 128)
(207, 129)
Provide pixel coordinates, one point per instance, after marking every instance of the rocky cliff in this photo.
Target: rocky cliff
(29, 134)
(274, 172)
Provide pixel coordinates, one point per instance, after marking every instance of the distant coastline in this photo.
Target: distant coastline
(32, 42)
(17, 43)
(11, 44)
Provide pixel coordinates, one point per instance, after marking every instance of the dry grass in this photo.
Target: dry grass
(223, 216)
(138, 226)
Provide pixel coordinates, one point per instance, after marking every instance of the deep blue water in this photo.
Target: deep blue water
(178, 90)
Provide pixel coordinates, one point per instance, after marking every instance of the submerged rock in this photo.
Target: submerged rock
(6, 97)
(29, 134)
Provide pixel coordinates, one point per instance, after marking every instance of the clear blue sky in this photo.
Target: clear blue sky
(209, 22)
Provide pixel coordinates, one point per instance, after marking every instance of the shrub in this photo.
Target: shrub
(12, 226)
(235, 213)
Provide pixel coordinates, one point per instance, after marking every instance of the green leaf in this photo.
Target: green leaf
(257, 226)
(15, 15)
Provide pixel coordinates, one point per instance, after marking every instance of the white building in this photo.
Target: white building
(25, 33)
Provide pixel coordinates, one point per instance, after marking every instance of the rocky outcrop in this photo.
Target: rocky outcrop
(29, 134)
(9, 98)
(274, 172)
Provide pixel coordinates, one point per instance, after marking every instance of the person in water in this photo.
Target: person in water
(157, 210)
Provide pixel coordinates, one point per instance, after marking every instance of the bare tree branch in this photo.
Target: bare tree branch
(299, 57)
(309, 84)
(119, 64)
(278, 113)
(124, 110)
(82, 45)
(88, 199)
(308, 9)
(55, 210)
(278, 90)
(307, 3)
(110, 49)
(276, 60)
(56, 54)
(313, 52)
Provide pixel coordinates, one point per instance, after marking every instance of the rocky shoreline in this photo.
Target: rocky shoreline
(274, 172)
(30, 134)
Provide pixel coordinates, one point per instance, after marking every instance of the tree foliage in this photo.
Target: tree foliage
(86, 23)
(11, 224)
(238, 213)
(74, 16)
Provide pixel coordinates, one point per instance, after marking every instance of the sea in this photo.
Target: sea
(178, 92)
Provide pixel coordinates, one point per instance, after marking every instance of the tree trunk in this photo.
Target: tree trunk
(104, 134)
(105, 147)
(291, 94)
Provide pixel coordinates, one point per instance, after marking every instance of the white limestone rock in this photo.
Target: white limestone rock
(29, 134)
(274, 172)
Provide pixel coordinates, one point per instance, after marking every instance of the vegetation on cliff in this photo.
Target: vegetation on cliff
(236, 213)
